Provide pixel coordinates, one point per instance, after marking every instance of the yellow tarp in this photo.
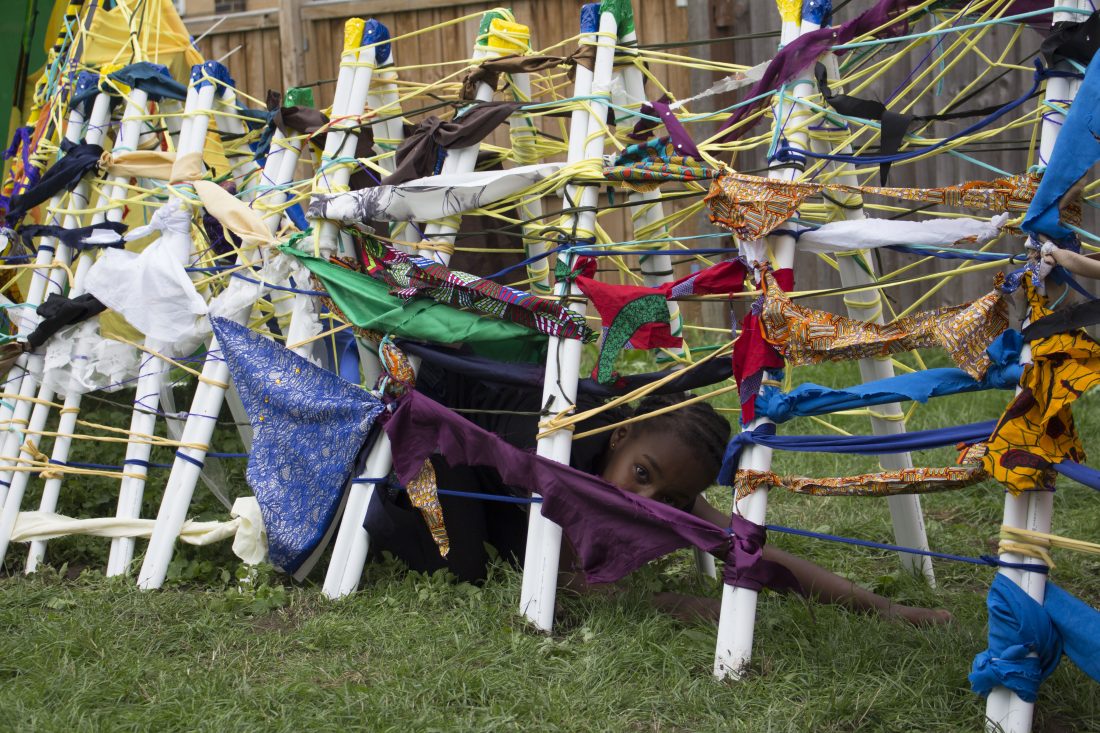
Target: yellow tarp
(160, 36)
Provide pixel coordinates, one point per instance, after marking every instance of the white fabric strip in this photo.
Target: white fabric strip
(430, 198)
(841, 236)
(246, 528)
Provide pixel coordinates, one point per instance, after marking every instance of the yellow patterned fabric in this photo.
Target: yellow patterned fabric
(424, 495)
(883, 483)
(1037, 428)
(807, 336)
(752, 206)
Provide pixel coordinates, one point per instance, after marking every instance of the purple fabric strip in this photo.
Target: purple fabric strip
(681, 140)
(21, 141)
(795, 57)
(614, 532)
(643, 128)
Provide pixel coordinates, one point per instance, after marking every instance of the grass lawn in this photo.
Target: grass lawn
(418, 653)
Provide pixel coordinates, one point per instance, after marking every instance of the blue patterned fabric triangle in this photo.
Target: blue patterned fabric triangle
(308, 428)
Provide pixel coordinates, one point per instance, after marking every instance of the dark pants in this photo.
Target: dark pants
(397, 527)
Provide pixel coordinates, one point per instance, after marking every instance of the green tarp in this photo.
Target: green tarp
(23, 25)
(368, 304)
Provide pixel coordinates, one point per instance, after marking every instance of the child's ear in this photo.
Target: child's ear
(618, 436)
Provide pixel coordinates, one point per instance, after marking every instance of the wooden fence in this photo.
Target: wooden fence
(307, 49)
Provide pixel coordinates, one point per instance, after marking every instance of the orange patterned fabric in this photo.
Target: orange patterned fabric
(807, 336)
(753, 206)
(424, 495)
(883, 483)
(1037, 428)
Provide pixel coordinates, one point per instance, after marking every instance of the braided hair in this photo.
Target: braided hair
(699, 426)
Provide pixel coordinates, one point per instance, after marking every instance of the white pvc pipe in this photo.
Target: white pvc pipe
(152, 371)
(459, 160)
(97, 127)
(524, 144)
(1005, 712)
(352, 543)
(385, 101)
(128, 137)
(540, 568)
(578, 129)
(656, 269)
(738, 620)
(355, 71)
(12, 384)
(905, 511)
(152, 374)
(340, 142)
(11, 412)
(390, 133)
(187, 465)
(645, 213)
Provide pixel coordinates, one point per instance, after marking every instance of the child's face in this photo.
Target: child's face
(655, 465)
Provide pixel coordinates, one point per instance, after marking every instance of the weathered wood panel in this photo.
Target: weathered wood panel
(425, 57)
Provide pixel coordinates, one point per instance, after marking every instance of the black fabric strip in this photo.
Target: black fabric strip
(894, 125)
(80, 158)
(75, 238)
(1067, 319)
(58, 312)
(1073, 41)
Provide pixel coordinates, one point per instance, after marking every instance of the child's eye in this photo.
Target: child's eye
(641, 473)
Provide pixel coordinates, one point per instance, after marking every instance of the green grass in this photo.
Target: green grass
(413, 652)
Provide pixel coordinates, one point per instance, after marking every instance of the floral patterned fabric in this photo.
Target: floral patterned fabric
(423, 491)
(308, 428)
(753, 355)
(1037, 428)
(636, 317)
(883, 483)
(645, 166)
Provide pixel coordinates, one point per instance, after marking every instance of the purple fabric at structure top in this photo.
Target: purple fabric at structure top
(804, 50)
(614, 532)
(797, 56)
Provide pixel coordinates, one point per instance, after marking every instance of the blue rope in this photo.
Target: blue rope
(981, 560)
(491, 497)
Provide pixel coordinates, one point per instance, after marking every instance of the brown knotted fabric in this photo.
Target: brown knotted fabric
(312, 122)
(489, 71)
(417, 156)
(9, 353)
(304, 120)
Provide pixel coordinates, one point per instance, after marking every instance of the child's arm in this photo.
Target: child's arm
(817, 583)
(1076, 263)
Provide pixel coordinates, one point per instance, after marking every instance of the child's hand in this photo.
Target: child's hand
(1054, 256)
(1076, 263)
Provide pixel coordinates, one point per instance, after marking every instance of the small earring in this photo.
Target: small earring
(612, 446)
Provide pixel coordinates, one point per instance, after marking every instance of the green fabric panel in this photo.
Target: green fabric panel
(11, 31)
(368, 303)
(16, 33)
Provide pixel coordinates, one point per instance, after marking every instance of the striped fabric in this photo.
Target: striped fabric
(411, 275)
(646, 166)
